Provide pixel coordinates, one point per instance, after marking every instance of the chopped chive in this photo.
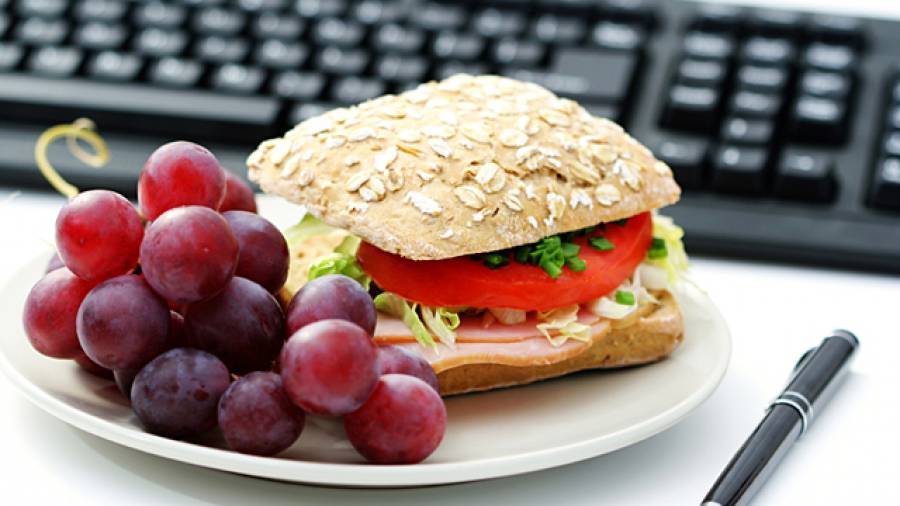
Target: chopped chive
(625, 298)
(569, 249)
(657, 249)
(495, 260)
(576, 264)
(522, 254)
(601, 244)
(551, 268)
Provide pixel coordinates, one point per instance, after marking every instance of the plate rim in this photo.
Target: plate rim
(363, 475)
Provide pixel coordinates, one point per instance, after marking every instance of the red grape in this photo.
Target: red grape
(331, 297)
(176, 339)
(329, 367)
(256, 416)
(122, 324)
(54, 263)
(189, 254)
(180, 174)
(50, 312)
(403, 421)
(263, 254)
(242, 325)
(92, 367)
(176, 395)
(397, 360)
(238, 196)
(98, 235)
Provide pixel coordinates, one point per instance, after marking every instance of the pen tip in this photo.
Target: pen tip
(847, 335)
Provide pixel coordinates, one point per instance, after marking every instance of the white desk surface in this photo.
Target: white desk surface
(775, 313)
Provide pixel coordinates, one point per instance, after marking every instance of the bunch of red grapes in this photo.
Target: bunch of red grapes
(175, 301)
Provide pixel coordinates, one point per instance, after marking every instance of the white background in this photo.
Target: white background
(775, 313)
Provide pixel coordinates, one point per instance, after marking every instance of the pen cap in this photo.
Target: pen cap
(813, 381)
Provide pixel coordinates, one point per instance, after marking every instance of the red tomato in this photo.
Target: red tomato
(464, 281)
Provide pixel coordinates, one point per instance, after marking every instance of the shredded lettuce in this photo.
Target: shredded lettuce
(398, 307)
(341, 261)
(675, 262)
(307, 227)
(564, 320)
(441, 323)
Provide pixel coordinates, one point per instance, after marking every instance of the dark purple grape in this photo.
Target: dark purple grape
(180, 174)
(98, 235)
(176, 339)
(177, 394)
(189, 254)
(238, 196)
(122, 324)
(124, 379)
(242, 325)
(263, 254)
(397, 360)
(329, 367)
(50, 312)
(332, 297)
(403, 421)
(256, 417)
(92, 367)
(54, 263)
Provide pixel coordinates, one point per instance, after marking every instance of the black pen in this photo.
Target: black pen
(812, 383)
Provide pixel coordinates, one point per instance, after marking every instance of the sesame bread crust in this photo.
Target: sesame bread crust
(462, 166)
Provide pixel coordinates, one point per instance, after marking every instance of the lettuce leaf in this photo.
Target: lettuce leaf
(398, 307)
(565, 322)
(305, 228)
(441, 323)
(675, 262)
(341, 261)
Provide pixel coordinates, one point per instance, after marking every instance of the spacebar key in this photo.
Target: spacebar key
(138, 108)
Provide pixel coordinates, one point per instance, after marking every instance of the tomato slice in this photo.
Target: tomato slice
(464, 281)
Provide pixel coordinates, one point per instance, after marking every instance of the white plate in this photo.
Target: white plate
(489, 435)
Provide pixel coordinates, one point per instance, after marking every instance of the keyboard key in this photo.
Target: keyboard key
(174, 113)
(768, 51)
(746, 131)
(892, 144)
(160, 15)
(41, 8)
(829, 57)
(279, 54)
(278, 26)
(336, 32)
(262, 5)
(353, 90)
(5, 23)
(718, 17)
(219, 21)
(739, 170)
(765, 79)
(114, 66)
(776, 22)
(494, 23)
(98, 36)
(397, 68)
(308, 110)
(568, 6)
(216, 49)
(618, 36)
(608, 74)
(691, 108)
(638, 11)
(893, 120)
(518, 53)
(235, 78)
(319, 9)
(561, 30)
(706, 73)
(41, 32)
(886, 184)
(457, 46)
(754, 104)
(437, 17)
(10, 56)
(298, 86)
(686, 157)
(55, 61)
(839, 29)
(804, 174)
(445, 70)
(825, 84)
(706, 45)
(818, 120)
(343, 62)
(398, 39)
(377, 12)
(159, 42)
(176, 72)
(108, 11)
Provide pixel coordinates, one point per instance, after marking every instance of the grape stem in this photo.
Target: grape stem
(80, 129)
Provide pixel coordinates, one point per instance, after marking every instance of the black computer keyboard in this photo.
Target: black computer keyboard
(782, 127)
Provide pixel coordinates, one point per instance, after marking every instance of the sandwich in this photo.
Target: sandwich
(506, 234)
